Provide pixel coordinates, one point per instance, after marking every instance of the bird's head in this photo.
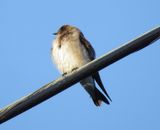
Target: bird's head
(67, 31)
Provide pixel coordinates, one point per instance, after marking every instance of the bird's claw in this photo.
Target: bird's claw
(74, 69)
(64, 74)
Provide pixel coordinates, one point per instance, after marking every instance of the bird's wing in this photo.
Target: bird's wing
(96, 76)
(88, 47)
(91, 54)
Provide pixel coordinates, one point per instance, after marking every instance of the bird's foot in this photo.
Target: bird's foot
(74, 69)
(64, 74)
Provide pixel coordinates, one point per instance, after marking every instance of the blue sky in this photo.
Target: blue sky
(26, 29)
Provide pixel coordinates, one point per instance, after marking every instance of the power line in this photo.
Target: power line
(65, 82)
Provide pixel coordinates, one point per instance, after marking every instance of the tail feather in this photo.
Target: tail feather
(99, 97)
(96, 76)
(96, 95)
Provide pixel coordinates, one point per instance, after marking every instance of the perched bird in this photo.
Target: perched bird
(71, 50)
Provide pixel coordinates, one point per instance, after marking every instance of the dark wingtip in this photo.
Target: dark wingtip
(96, 76)
(108, 96)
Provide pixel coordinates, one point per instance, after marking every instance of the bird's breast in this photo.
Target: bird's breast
(70, 55)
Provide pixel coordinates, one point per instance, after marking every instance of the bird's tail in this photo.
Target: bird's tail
(98, 97)
(95, 94)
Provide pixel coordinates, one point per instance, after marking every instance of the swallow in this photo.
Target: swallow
(71, 50)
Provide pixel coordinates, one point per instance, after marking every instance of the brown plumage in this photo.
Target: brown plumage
(71, 50)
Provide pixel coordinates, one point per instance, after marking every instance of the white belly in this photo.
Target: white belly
(69, 56)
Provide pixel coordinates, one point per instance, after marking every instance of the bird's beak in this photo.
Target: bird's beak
(54, 33)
